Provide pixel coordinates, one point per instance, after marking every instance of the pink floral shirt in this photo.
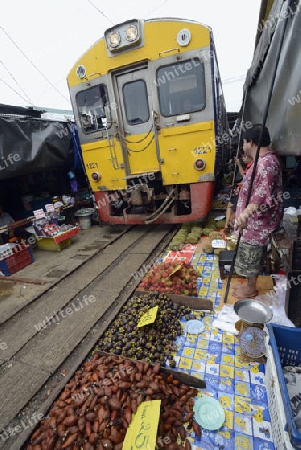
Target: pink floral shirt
(266, 191)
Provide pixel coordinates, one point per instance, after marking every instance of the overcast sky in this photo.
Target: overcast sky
(42, 39)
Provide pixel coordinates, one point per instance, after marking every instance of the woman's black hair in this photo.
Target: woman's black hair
(253, 134)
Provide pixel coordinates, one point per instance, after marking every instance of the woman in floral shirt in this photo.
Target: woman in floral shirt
(257, 220)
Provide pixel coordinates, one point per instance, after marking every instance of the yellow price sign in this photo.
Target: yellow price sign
(142, 431)
(148, 317)
(176, 269)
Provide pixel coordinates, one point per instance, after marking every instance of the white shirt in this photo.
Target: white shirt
(5, 219)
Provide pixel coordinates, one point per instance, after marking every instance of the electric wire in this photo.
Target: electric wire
(48, 88)
(100, 12)
(11, 75)
(33, 64)
(14, 90)
(233, 79)
(157, 7)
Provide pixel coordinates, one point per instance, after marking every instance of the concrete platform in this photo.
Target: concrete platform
(50, 266)
(42, 347)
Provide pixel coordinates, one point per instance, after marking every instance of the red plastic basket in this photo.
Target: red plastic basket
(66, 235)
(21, 258)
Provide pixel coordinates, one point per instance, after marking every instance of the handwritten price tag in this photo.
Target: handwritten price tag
(49, 207)
(148, 317)
(142, 431)
(39, 213)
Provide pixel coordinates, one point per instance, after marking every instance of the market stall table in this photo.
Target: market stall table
(215, 356)
(57, 242)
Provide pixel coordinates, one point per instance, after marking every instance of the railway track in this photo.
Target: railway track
(51, 336)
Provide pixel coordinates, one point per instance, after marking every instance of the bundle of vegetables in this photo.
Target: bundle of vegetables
(194, 235)
(212, 224)
(220, 224)
(179, 238)
(208, 247)
(171, 277)
(153, 342)
(96, 407)
(188, 234)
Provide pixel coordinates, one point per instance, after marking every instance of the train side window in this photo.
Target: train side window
(136, 102)
(91, 105)
(181, 87)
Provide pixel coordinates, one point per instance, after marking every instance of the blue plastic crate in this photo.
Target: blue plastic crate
(292, 197)
(286, 347)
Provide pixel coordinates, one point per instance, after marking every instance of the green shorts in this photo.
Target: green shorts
(249, 259)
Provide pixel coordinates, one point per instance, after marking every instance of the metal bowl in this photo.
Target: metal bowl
(252, 311)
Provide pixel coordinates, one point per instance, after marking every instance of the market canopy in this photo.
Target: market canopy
(285, 108)
(30, 144)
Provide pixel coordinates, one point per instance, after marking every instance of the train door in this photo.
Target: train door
(136, 124)
(184, 90)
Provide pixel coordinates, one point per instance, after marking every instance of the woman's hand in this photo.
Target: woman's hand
(241, 222)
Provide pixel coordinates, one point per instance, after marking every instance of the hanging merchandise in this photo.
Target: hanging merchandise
(73, 182)
(79, 163)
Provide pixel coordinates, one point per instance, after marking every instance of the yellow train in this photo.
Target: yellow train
(151, 118)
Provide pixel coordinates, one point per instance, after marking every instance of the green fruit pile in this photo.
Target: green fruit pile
(220, 224)
(189, 233)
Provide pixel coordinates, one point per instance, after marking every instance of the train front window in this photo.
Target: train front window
(91, 108)
(136, 102)
(181, 87)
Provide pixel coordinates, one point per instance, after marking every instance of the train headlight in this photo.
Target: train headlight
(115, 39)
(123, 36)
(200, 164)
(131, 33)
(95, 176)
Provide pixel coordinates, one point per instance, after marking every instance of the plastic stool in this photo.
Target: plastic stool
(225, 259)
